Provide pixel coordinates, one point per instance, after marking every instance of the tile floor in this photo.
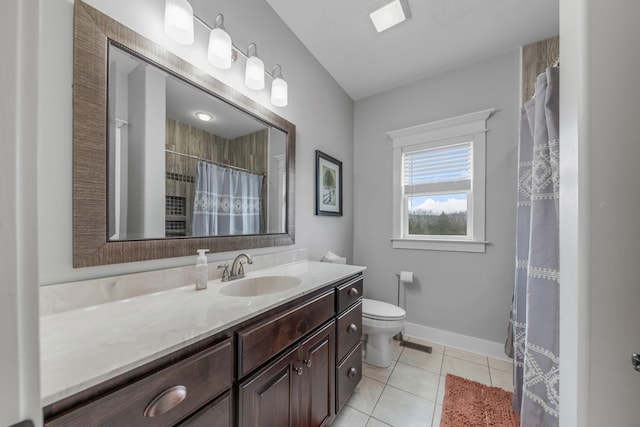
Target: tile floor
(410, 392)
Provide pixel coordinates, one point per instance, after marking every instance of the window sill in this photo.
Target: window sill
(440, 245)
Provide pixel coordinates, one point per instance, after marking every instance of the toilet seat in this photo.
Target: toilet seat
(379, 310)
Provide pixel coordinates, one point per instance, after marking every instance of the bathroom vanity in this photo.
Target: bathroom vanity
(191, 358)
(223, 356)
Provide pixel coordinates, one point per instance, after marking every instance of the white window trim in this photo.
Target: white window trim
(472, 127)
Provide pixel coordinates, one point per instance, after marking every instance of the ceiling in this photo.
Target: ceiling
(184, 100)
(440, 35)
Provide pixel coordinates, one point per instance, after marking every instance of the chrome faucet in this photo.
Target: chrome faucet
(237, 267)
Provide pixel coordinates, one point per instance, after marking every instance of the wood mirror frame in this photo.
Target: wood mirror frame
(92, 32)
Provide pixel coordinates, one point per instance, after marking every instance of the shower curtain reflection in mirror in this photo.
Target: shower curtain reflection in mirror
(226, 202)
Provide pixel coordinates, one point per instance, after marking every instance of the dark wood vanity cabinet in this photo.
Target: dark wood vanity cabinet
(215, 414)
(348, 337)
(181, 391)
(295, 365)
(296, 390)
(308, 384)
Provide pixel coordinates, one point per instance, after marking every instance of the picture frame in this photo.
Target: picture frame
(328, 185)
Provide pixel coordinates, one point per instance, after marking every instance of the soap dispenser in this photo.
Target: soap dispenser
(201, 270)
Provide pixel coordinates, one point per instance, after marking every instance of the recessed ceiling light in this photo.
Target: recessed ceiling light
(389, 14)
(205, 117)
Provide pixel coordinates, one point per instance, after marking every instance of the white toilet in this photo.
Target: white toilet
(380, 322)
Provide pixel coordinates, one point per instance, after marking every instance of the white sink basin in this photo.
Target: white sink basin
(263, 285)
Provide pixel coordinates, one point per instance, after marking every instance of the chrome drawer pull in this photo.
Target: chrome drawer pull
(166, 401)
(352, 328)
(352, 372)
(353, 292)
(308, 363)
(298, 370)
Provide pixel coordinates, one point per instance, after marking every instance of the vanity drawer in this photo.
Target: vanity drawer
(215, 414)
(349, 373)
(349, 329)
(349, 293)
(259, 342)
(162, 398)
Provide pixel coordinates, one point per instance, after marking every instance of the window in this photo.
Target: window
(438, 184)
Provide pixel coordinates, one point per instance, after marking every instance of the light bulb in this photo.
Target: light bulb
(178, 21)
(220, 47)
(279, 92)
(254, 71)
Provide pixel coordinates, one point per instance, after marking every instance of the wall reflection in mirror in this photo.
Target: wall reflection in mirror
(183, 163)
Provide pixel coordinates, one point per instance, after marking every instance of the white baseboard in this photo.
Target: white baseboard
(452, 339)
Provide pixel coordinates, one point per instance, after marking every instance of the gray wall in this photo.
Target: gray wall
(320, 109)
(466, 293)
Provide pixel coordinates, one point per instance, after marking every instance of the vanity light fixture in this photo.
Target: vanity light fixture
(254, 71)
(178, 21)
(220, 47)
(279, 88)
(178, 24)
(205, 117)
(389, 13)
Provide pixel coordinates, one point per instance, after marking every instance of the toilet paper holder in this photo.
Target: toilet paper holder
(405, 277)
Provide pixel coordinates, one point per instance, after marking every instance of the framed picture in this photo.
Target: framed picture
(328, 185)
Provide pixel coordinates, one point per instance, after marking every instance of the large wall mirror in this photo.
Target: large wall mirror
(168, 159)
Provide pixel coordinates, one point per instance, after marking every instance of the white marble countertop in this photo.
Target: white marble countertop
(84, 347)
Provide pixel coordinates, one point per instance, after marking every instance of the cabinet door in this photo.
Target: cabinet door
(318, 378)
(270, 398)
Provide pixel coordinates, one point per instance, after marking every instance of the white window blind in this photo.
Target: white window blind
(437, 170)
(439, 184)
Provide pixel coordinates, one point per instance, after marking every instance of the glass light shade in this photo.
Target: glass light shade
(254, 73)
(279, 92)
(220, 52)
(178, 21)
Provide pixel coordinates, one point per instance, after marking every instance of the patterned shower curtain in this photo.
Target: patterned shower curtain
(534, 325)
(227, 201)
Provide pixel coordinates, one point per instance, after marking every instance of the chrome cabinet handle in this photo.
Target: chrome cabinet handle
(635, 361)
(308, 363)
(352, 372)
(298, 370)
(166, 401)
(353, 292)
(352, 328)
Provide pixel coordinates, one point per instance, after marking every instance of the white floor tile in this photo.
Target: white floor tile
(437, 416)
(441, 385)
(401, 409)
(378, 374)
(420, 359)
(350, 417)
(501, 379)
(465, 355)
(501, 365)
(410, 392)
(466, 369)
(376, 423)
(415, 380)
(366, 395)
